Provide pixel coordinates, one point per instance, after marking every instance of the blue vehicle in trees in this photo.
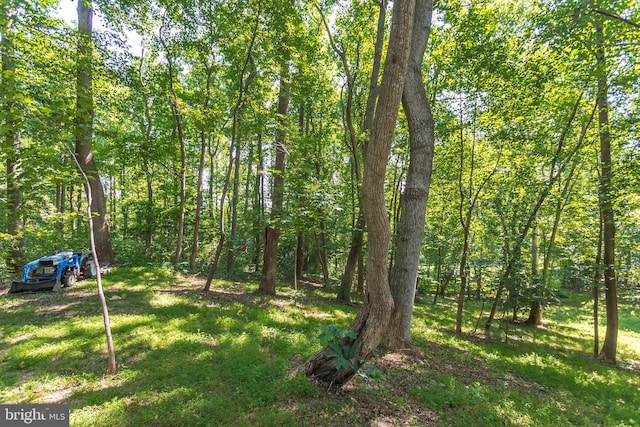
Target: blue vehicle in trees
(53, 272)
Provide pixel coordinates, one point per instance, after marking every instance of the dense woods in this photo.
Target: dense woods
(259, 139)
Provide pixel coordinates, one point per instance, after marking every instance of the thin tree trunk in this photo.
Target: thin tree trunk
(609, 347)
(535, 315)
(344, 291)
(147, 126)
(177, 117)
(404, 273)
(597, 276)
(84, 133)
(222, 237)
(299, 259)
(199, 193)
(258, 208)
(322, 249)
(112, 368)
(372, 321)
(235, 194)
(357, 240)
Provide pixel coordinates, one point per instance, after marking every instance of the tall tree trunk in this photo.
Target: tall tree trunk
(195, 242)
(242, 88)
(11, 142)
(177, 117)
(535, 314)
(404, 273)
(84, 133)
(344, 291)
(357, 234)
(373, 319)
(272, 230)
(299, 264)
(609, 347)
(258, 207)
(235, 194)
(147, 128)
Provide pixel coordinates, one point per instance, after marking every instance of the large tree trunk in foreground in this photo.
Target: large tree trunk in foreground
(372, 321)
(84, 133)
(357, 235)
(404, 273)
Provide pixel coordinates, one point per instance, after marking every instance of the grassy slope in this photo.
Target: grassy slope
(224, 358)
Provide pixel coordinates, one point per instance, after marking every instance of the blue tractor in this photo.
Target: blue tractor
(53, 272)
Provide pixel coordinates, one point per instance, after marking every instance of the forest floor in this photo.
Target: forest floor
(189, 358)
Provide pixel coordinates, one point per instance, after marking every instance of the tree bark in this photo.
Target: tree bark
(610, 344)
(373, 319)
(84, 133)
(595, 291)
(272, 230)
(404, 273)
(357, 234)
(235, 194)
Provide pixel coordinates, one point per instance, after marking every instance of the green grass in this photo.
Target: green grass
(224, 358)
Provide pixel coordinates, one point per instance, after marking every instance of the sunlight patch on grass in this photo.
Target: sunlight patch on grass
(163, 299)
(515, 413)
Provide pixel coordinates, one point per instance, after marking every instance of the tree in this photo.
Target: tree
(415, 103)
(610, 344)
(84, 132)
(352, 138)
(559, 161)
(272, 229)
(177, 116)
(112, 365)
(370, 324)
(11, 139)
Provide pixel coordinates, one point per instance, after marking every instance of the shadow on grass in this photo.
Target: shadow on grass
(223, 358)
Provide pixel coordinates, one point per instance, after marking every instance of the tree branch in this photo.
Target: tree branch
(616, 17)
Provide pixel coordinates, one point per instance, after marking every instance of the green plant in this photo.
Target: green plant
(343, 349)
